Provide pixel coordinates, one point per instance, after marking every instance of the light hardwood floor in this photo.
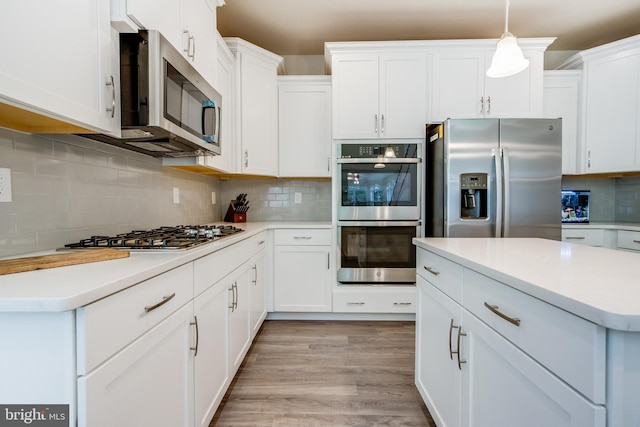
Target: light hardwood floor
(326, 373)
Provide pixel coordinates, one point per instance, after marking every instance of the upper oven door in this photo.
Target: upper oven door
(379, 189)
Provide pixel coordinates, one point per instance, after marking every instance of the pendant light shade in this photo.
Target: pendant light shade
(508, 58)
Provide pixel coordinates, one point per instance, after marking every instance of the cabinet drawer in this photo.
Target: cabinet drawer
(303, 236)
(375, 300)
(629, 240)
(211, 268)
(442, 273)
(571, 347)
(583, 236)
(108, 325)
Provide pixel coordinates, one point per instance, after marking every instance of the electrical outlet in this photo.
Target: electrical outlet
(5, 185)
(213, 197)
(298, 198)
(176, 195)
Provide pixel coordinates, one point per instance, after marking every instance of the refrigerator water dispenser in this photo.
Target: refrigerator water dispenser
(473, 196)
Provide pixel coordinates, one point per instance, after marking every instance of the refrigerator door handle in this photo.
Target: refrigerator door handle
(507, 192)
(497, 154)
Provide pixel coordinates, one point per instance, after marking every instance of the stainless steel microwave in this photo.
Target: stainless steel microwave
(167, 108)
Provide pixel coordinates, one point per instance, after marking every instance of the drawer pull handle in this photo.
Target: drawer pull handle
(355, 303)
(494, 310)
(401, 303)
(261, 242)
(195, 323)
(432, 271)
(302, 237)
(575, 237)
(636, 241)
(165, 300)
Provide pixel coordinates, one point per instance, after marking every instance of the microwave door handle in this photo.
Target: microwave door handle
(497, 154)
(206, 105)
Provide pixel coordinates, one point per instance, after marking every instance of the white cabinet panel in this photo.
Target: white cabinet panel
(157, 369)
(503, 387)
(561, 99)
(61, 66)
(211, 371)
(304, 117)
(612, 112)
(378, 95)
(438, 376)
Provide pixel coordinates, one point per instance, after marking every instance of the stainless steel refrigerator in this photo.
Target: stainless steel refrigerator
(494, 178)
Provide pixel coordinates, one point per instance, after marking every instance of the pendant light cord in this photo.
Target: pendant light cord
(506, 18)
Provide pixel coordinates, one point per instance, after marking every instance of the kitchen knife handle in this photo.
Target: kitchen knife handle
(165, 300)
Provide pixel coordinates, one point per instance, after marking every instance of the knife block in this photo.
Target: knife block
(232, 216)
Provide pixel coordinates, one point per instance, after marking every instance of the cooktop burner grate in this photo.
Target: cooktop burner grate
(170, 238)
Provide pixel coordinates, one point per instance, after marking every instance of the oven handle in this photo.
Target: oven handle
(379, 223)
(376, 160)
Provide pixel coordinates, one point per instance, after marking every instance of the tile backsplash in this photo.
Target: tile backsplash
(66, 188)
(274, 200)
(612, 199)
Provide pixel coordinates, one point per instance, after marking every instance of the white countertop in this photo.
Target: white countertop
(598, 284)
(67, 288)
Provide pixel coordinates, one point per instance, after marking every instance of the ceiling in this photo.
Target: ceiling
(300, 27)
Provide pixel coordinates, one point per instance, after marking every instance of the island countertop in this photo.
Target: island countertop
(597, 284)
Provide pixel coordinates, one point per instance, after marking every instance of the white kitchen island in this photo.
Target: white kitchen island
(527, 332)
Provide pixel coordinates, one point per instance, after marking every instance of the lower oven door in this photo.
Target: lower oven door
(377, 252)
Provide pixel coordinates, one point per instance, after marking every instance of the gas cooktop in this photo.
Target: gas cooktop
(167, 238)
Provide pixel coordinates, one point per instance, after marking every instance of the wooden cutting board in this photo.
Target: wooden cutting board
(19, 265)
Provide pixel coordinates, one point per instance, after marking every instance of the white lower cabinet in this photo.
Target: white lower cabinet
(211, 373)
(629, 241)
(150, 382)
(374, 299)
(302, 270)
(238, 317)
(494, 358)
(437, 374)
(257, 292)
(502, 386)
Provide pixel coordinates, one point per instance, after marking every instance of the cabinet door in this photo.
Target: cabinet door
(503, 387)
(403, 95)
(458, 85)
(302, 279)
(149, 383)
(560, 99)
(355, 97)
(519, 95)
(60, 64)
(238, 316)
(198, 28)
(258, 292)
(438, 377)
(211, 373)
(304, 115)
(612, 118)
(259, 109)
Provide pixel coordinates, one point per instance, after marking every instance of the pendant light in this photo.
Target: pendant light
(508, 58)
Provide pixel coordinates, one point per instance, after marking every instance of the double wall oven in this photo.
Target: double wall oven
(378, 213)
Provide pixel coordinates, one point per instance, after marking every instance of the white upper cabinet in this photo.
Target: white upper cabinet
(189, 25)
(379, 91)
(60, 67)
(561, 99)
(304, 116)
(255, 107)
(611, 107)
(461, 88)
